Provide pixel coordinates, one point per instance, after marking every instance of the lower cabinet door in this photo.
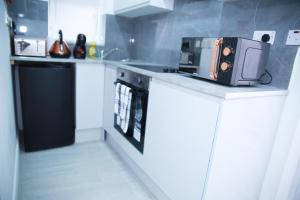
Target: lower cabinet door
(109, 98)
(89, 95)
(180, 130)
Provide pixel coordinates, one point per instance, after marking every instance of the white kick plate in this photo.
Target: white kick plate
(258, 35)
(293, 37)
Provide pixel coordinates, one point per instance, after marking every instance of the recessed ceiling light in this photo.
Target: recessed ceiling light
(23, 29)
(21, 15)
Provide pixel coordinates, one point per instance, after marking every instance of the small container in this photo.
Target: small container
(79, 50)
(93, 50)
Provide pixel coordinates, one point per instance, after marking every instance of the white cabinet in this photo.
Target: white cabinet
(89, 96)
(243, 143)
(77, 16)
(121, 5)
(109, 98)
(179, 137)
(199, 146)
(203, 147)
(135, 8)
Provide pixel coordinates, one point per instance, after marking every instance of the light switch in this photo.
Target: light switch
(264, 36)
(293, 37)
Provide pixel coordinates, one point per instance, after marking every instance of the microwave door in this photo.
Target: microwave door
(207, 45)
(205, 59)
(23, 45)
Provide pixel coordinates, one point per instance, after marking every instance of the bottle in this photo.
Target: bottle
(79, 49)
(92, 50)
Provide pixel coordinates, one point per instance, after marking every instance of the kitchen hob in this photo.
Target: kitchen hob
(156, 68)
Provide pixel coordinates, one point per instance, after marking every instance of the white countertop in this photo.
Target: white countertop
(74, 60)
(202, 86)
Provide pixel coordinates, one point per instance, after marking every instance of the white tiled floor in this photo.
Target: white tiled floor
(90, 171)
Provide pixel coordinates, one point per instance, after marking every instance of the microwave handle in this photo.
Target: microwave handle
(215, 59)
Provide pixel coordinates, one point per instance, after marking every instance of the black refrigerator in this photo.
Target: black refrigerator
(47, 103)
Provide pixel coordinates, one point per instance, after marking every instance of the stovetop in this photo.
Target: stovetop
(157, 68)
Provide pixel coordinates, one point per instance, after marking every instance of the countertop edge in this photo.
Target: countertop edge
(212, 89)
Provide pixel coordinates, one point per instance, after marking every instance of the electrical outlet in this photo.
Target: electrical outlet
(264, 36)
(293, 37)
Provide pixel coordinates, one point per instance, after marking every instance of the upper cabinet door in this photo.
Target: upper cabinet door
(77, 16)
(121, 4)
(135, 8)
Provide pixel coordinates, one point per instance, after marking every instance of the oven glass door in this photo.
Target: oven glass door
(137, 119)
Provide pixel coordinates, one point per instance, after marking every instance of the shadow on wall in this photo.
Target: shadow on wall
(158, 37)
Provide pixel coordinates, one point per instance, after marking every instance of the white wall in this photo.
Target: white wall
(296, 188)
(109, 7)
(78, 16)
(290, 179)
(8, 139)
(283, 143)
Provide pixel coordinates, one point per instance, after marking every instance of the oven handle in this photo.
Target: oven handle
(215, 59)
(135, 90)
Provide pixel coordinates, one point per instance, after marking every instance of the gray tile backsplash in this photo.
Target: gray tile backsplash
(243, 17)
(158, 37)
(35, 28)
(119, 31)
(35, 17)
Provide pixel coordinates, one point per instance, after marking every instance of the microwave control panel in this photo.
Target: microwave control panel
(226, 60)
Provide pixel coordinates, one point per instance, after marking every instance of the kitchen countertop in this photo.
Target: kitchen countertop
(74, 60)
(202, 86)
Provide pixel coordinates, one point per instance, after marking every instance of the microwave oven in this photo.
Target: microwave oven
(25, 46)
(230, 61)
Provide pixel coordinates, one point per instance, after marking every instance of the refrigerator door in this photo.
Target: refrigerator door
(47, 101)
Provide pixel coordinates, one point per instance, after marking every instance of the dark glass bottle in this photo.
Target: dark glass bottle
(80, 49)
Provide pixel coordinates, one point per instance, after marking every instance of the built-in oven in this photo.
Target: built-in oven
(137, 85)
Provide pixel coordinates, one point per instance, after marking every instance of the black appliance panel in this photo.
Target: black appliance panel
(143, 95)
(48, 105)
(139, 85)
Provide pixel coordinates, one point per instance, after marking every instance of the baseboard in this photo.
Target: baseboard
(16, 172)
(143, 177)
(89, 135)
